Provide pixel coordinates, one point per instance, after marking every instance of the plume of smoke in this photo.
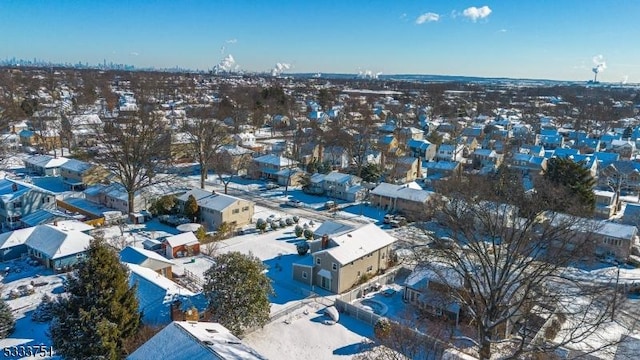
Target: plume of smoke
(279, 68)
(599, 64)
(368, 74)
(227, 64)
(625, 79)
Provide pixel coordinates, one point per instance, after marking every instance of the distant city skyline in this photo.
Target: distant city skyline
(544, 39)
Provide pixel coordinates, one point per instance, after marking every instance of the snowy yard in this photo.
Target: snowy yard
(28, 332)
(303, 335)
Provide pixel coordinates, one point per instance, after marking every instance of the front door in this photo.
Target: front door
(325, 283)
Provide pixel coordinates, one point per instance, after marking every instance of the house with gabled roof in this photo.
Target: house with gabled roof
(18, 199)
(216, 208)
(268, 166)
(343, 186)
(13, 243)
(149, 259)
(44, 165)
(422, 149)
(188, 340)
(158, 296)
(181, 245)
(57, 248)
(79, 174)
(408, 199)
(449, 152)
(339, 262)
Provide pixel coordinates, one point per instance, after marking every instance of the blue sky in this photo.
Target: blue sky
(549, 39)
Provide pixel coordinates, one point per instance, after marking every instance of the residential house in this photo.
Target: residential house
(527, 164)
(289, 177)
(450, 152)
(441, 169)
(422, 149)
(408, 199)
(237, 157)
(587, 145)
(410, 133)
(343, 186)
(550, 139)
(315, 185)
(189, 340)
(429, 289)
(623, 175)
(19, 199)
(78, 174)
(247, 140)
(404, 169)
(44, 165)
(13, 243)
(216, 208)
(338, 263)
(158, 296)
(605, 203)
(267, 166)
(626, 148)
(181, 245)
(631, 215)
(487, 157)
(57, 248)
(337, 156)
(84, 129)
(148, 259)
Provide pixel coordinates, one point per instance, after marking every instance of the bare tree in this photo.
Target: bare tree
(135, 148)
(228, 163)
(207, 135)
(505, 262)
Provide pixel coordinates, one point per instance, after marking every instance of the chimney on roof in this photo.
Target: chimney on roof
(325, 241)
(14, 187)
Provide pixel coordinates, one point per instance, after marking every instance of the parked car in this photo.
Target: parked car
(294, 203)
(387, 218)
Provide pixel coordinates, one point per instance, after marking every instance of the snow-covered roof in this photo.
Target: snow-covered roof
(143, 257)
(337, 177)
(276, 160)
(332, 228)
(209, 200)
(76, 165)
(406, 192)
(13, 189)
(183, 340)
(56, 243)
(46, 161)
(186, 238)
(355, 244)
(437, 272)
(86, 119)
(15, 238)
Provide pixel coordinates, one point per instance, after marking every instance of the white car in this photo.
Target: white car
(271, 186)
(294, 203)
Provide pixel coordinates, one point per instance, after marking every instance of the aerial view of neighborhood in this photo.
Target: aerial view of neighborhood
(360, 189)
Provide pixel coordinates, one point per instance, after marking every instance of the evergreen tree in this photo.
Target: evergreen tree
(191, 208)
(100, 312)
(576, 179)
(238, 291)
(7, 321)
(628, 132)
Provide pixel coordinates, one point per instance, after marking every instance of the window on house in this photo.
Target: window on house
(245, 208)
(334, 266)
(369, 268)
(235, 211)
(17, 205)
(317, 261)
(383, 255)
(359, 274)
(304, 274)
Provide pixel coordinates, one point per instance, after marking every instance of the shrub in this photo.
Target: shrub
(302, 247)
(274, 225)
(282, 223)
(289, 221)
(261, 225)
(382, 328)
(296, 219)
(43, 313)
(298, 231)
(308, 234)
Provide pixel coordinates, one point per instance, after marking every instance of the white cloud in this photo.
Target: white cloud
(135, 53)
(231, 41)
(475, 13)
(502, 30)
(427, 17)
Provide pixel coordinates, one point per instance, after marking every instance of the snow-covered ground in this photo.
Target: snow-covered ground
(28, 332)
(303, 335)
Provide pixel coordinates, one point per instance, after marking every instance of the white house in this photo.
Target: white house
(450, 152)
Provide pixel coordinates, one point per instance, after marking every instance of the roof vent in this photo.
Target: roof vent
(212, 331)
